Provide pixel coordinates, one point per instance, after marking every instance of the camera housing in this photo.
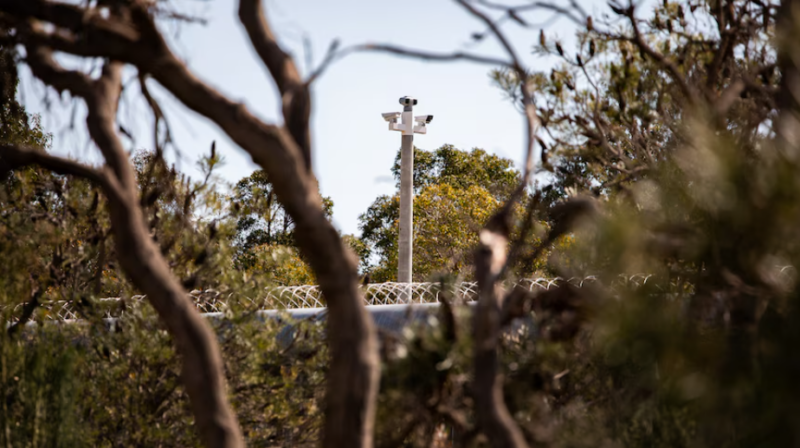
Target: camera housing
(391, 117)
(423, 119)
(408, 101)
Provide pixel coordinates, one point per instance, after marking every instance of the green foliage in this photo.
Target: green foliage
(264, 234)
(57, 232)
(16, 126)
(260, 218)
(425, 376)
(698, 197)
(446, 225)
(715, 226)
(360, 248)
(280, 264)
(461, 170)
(37, 376)
(189, 219)
(277, 380)
(81, 385)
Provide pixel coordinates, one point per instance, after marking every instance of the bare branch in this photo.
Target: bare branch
(330, 56)
(294, 92)
(14, 157)
(44, 66)
(140, 257)
(428, 56)
(788, 122)
(728, 96)
(74, 19)
(527, 101)
(102, 96)
(166, 13)
(492, 413)
(504, 42)
(102, 122)
(27, 310)
(559, 10)
(490, 263)
(158, 116)
(280, 64)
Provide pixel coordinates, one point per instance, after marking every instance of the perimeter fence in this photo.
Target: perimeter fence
(292, 297)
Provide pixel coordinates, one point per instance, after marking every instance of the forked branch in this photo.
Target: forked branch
(430, 56)
(295, 95)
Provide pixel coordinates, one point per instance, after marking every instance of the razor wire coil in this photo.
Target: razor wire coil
(297, 297)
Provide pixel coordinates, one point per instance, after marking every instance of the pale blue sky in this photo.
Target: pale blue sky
(353, 149)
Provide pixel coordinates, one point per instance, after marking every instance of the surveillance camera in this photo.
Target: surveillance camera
(408, 101)
(391, 117)
(426, 118)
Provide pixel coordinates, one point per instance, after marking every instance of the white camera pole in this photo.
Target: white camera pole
(407, 127)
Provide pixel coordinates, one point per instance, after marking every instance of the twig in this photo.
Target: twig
(430, 56)
(158, 116)
(330, 56)
(560, 10)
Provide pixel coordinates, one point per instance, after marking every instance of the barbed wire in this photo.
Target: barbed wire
(290, 297)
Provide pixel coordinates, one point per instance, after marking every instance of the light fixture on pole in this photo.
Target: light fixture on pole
(409, 125)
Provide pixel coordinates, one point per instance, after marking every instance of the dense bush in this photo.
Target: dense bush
(84, 384)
